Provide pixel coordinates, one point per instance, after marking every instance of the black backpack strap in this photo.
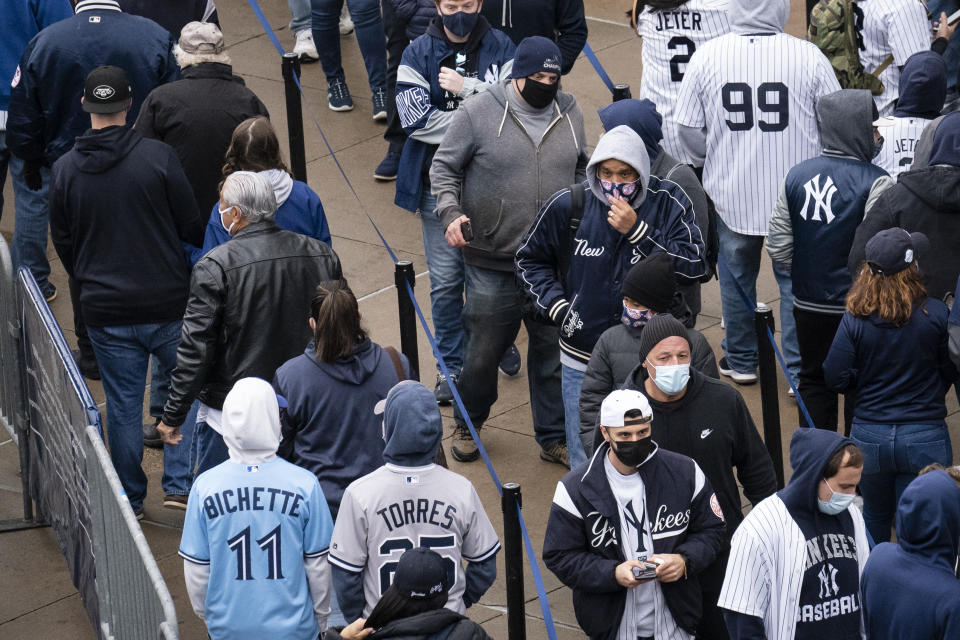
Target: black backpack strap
(577, 197)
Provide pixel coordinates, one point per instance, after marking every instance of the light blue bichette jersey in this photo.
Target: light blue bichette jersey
(254, 525)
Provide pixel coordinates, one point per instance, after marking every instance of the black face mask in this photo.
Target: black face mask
(877, 146)
(460, 23)
(633, 453)
(538, 94)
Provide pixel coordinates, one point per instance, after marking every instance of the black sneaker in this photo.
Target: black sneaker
(175, 501)
(338, 96)
(388, 167)
(87, 365)
(138, 512)
(151, 436)
(380, 104)
(463, 448)
(49, 292)
(442, 390)
(556, 453)
(510, 362)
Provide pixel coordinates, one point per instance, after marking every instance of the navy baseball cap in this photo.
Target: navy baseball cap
(421, 575)
(536, 54)
(893, 250)
(106, 90)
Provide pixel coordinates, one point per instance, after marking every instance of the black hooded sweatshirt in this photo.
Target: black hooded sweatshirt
(120, 209)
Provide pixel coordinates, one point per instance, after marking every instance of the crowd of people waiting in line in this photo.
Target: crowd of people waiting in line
(309, 465)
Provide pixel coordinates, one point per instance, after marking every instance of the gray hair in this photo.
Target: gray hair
(185, 59)
(252, 194)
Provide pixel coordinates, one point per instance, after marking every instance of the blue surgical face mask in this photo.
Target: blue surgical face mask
(460, 23)
(671, 378)
(838, 502)
(635, 317)
(225, 227)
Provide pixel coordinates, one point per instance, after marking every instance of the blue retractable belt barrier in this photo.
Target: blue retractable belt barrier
(531, 558)
(592, 57)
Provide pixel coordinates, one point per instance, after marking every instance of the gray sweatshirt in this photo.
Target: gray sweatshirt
(492, 169)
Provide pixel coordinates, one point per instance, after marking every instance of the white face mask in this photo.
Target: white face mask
(225, 227)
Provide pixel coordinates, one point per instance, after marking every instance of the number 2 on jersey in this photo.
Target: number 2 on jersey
(436, 543)
(676, 42)
(772, 99)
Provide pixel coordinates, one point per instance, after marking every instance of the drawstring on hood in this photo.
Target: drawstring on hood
(250, 425)
(620, 143)
(641, 116)
(846, 126)
(810, 450)
(281, 182)
(758, 16)
(923, 86)
(928, 519)
(412, 425)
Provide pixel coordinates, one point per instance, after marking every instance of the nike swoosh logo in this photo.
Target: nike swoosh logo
(705, 433)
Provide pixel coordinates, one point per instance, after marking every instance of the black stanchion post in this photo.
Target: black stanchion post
(298, 154)
(513, 559)
(770, 402)
(403, 274)
(621, 92)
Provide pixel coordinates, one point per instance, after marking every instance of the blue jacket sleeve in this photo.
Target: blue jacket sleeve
(46, 12)
(740, 626)
(705, 533)
(571, 26)
(321, 229)
(349, 588)
(566, 553)
(840, 365)
(538, 258)
(25, 119)
(214, 235)
(680, 236)
(479, 577)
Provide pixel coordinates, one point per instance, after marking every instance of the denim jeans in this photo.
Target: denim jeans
(32, 217)
(492, 313)
(178, 461)
(4, 161)
(369, 29)
(123, 353)
(570, 391)
(209, 449)
(893, 454)
(446, 286)
(300, 17)
(741, 255)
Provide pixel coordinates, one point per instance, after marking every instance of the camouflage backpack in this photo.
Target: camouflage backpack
(833, 29)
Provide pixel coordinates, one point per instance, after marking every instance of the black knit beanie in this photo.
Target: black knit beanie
(652, 282)
(660, 327)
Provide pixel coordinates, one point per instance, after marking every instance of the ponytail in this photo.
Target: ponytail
(336, 317)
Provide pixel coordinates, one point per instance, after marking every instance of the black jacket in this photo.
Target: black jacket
(928, 201)
(583, 543)
(560, 20)
(247, 312)
(439, 624)
(196, 116)
(172, 15)
(120, 206)
(711, 424)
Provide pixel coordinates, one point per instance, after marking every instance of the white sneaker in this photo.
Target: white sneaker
(305, 47)
(346, 24)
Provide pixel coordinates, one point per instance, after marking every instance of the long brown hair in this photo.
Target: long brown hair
(253, 147)
(891, 297)
(336, 317)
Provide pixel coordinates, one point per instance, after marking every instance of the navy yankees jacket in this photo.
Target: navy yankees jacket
(586, 300)
(583, 546)
(426, 110)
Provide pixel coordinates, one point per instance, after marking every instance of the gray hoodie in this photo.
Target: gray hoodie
(489, 168)
(758, 16)
(624, 144)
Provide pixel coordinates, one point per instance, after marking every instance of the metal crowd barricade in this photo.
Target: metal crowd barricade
(11, 393)
(134, 600)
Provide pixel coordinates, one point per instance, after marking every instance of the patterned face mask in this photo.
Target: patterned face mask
(635, 317)
(623, 190)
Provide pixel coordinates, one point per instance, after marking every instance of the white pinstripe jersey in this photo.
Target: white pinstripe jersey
(755, 96)
(899, 142)
(899, 27)
(670, 38)
(393, 509)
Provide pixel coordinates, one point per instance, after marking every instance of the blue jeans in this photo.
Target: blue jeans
(32, 217)
(446, 286)
(492, 313)
(178, 461)
(122, 354)
(4, 161)
(572, 381)
(741, 255)
(369, 29)
(300, 17)
(209, 449)
(893, 455)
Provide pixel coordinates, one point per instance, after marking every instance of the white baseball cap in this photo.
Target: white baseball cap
(619, 402)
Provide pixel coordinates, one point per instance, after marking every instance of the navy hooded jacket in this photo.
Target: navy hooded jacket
(910, 589)
(560, 20)
(21, 22)
(330, 414)
(45, 113)
(923, 86)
